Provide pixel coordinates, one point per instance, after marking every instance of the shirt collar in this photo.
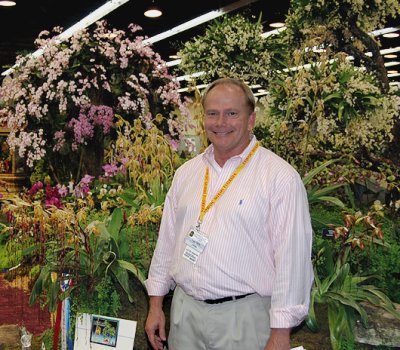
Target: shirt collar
(208, 154)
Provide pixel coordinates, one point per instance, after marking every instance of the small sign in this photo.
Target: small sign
(328, 233)
(96, 332)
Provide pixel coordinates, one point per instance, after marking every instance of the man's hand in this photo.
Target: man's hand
(155, 323)
(279, 339)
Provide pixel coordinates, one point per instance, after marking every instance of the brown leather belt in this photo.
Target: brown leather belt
(223, 300)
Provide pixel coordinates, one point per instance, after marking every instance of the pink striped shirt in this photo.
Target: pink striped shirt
(259, 235)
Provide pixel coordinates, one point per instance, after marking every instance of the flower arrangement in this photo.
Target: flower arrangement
(60, 106)
(329, 108)
(230, 47)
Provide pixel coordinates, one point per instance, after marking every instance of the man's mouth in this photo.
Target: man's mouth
(221, 133)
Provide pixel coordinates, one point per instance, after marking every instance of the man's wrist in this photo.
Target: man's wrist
(156, 302)
(280, 336)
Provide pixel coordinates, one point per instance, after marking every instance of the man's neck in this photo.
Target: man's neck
(222, 157)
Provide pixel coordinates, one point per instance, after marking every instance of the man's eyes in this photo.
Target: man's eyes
(212, 114)
(230, 114)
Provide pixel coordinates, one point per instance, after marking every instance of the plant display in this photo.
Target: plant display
(99, 227)
(60, 106)
(325, 109)
(337, 284)
(231, 47)
(97, 113)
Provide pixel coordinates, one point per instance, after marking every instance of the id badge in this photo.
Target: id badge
(195, 244)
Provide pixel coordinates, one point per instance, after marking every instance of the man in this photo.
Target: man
(234, 242)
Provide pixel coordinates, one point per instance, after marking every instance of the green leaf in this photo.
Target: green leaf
(331, 96)
(344, 77)
(347, 299)
(38, 286)
(311, 320)
(31, 249)
(327, 189)
(115, 224)
(132, 268)
(123, 278)
(52, 295)
(333, 200)
(307, 179)
(340, 111)
(129, 196)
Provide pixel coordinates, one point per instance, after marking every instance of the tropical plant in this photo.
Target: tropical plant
(86, 262)
(60, 106)
(103, 299)
(230, 47)
(146, 158)
(340, 288)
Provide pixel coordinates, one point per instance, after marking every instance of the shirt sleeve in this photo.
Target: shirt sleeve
(292, 243)
(159, 281)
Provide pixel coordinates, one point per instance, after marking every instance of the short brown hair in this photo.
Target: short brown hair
(250, 99)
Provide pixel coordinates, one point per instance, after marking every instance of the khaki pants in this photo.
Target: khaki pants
(234, 325)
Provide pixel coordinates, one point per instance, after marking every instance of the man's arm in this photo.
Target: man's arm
(279, 339)
(292, 243)
(155, 323)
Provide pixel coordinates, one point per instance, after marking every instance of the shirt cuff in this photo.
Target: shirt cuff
(288, 317)
(157, 288)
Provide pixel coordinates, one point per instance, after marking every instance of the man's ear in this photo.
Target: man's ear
(252, 121)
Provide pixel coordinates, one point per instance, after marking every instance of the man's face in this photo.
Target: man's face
(228, 121)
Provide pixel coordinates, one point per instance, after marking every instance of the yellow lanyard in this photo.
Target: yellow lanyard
(204, 208)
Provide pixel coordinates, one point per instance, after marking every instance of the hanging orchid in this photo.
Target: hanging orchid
(60, 106)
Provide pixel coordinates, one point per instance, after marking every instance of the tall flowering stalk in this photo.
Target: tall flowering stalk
(60, 106)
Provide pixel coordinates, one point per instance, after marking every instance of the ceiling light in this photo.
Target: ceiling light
(261, 93)
(197, 21)
(277, 25)
(392, 63)
(391, 35)
(391, 55)
(173, 63)
(384, 31)
(92, 17)
(272, 32)
(7, 3)
(153, 11)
